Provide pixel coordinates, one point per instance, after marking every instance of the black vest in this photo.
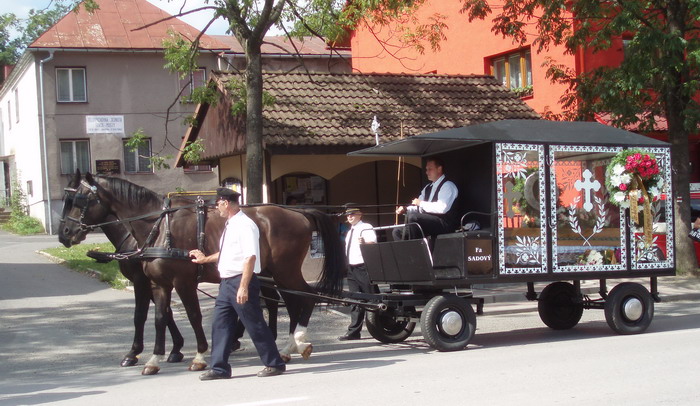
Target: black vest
(452, 215)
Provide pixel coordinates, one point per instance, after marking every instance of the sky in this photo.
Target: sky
(21, 9)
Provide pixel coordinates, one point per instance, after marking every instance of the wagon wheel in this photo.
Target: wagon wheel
(629, 308)
(560, 306)
(386, 327)
(448, 323)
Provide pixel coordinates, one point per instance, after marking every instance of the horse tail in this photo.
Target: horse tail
(331, 279)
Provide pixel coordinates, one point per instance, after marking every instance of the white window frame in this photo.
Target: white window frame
(16, 105)
(191, 81)
(127, 151)
(71, 97)
(74, 164)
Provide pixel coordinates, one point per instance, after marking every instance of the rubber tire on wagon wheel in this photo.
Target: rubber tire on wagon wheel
(448, 323)
(560, 306)
(385, 328)
(629, 308)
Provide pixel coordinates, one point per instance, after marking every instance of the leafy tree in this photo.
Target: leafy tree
(28, 29)
(250, 20)
(659, 77)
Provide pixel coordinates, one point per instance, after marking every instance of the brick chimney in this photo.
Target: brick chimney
(6, 69)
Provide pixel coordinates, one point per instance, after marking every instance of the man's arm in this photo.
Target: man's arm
(248, 265)
(198, 257)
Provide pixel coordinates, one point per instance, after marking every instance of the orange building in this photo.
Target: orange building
(472, 48)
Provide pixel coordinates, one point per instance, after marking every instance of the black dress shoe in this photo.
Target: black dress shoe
(348, 337)
(270, 371)
(210, 375)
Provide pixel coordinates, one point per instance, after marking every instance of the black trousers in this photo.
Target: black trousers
(226, 314)
(431, 225)
(358, 281)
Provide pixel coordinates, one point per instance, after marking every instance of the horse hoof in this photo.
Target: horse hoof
(286, 358)
(175, 357)
(197, 367)
(307, 352)
(129, 361)
(149, 370)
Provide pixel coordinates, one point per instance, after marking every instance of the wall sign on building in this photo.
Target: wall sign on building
(108, 166)
(104, 124)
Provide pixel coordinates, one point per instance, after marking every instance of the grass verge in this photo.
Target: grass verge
(75, 258)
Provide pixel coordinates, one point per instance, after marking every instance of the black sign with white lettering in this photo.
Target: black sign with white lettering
(107, 166)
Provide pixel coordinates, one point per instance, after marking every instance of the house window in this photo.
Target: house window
(514, 70)
(190, 168)
(17, 105)
(196, 79)
(75, 154)
(138, 160)
(70, 85)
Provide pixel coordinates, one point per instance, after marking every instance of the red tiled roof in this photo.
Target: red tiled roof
(336, 110)
(283, 45)
(115, 26)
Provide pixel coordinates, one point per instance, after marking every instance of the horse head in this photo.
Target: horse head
(85, 204)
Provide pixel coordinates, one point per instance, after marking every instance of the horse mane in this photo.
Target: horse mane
(134, 195)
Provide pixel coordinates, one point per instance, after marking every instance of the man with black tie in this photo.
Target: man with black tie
(434, 210)
(358, 279)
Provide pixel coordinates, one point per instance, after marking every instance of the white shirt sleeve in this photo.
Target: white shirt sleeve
(447, 196)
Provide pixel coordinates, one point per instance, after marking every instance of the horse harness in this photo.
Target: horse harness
(83, 201)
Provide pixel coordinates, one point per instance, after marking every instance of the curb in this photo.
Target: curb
(90, 272)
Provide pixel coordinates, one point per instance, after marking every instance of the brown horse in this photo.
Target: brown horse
(124, 242)
(285, 236)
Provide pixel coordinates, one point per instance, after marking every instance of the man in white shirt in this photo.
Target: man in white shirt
(238, 261)
(434, 209)
(358, 279)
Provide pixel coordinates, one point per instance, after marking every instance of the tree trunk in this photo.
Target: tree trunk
(254, 125)
(677, 102)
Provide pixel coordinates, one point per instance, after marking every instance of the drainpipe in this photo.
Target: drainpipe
(43, 139)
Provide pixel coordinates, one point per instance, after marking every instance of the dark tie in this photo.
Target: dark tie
(347, 249)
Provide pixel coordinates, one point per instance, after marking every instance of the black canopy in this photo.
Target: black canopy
(519, 131)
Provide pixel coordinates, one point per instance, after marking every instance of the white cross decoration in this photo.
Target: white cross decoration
(512, 196)
(375, 129)
(587, 186)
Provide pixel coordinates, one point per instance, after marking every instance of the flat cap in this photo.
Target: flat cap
(228, 194)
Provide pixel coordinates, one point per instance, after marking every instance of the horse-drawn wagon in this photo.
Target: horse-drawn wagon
(556, 202)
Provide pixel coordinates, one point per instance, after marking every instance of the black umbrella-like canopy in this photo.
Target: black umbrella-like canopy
(517, 131)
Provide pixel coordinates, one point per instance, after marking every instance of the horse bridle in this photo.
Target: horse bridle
(81, 201)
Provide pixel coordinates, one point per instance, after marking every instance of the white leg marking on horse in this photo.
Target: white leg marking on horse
(199, 359)
(291, 346)
(155, 360)
(301, 344)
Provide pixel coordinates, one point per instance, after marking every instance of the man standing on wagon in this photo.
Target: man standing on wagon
(434, 209)
(358, 279)
(238, 260)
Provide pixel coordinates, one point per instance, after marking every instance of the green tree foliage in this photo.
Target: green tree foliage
(250, 20)
(17, 33)
(659, 77)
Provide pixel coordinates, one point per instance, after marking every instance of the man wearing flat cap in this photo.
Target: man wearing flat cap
(358, 279)
(238, 261)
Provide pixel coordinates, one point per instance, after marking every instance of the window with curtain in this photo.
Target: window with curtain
(71, 85)
(514, 70)
(75, 154)
(138, 160)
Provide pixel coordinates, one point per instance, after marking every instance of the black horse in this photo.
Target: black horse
(285, 237)
(132, 270)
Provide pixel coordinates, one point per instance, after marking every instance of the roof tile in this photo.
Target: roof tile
(111, 26)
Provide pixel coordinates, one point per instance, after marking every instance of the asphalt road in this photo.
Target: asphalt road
(62, 335)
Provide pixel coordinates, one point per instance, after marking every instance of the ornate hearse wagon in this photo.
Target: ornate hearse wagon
(543, 201)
